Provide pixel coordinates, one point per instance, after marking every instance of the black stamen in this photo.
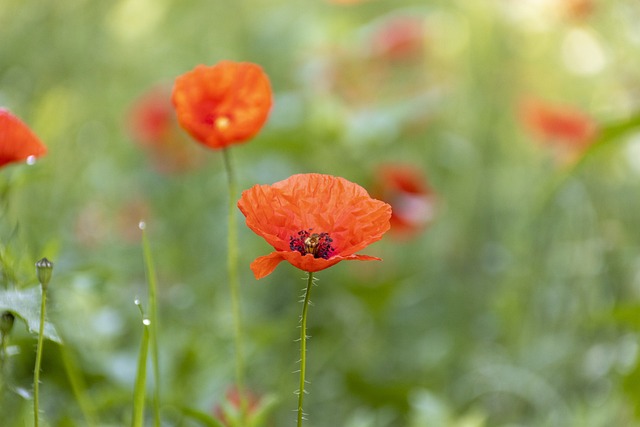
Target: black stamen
(316, 244)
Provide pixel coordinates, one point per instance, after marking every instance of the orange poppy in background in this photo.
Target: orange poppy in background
(232, 405)
(17, 142)
(399, 38)
(313, 221)
(151, 116)
(558, 123)
(224, 104)
(153, 124)
(578, 9)
(406, 189)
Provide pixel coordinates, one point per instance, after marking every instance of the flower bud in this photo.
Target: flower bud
(6, 322)
(44, 268)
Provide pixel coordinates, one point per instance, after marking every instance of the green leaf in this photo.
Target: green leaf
(265, 407)
(196, 415)
(139, 390)
(25, 304)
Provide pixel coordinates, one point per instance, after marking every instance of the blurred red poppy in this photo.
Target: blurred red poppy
(224, 104)
(406, 189)
(17, 142)
(578, 9)
(232, 405)
(558, 124)
(154, 125)
(399, 38)
(313, 221)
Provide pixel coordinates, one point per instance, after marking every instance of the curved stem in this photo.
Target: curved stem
(232, 271)
(303, 347)
(36, 372)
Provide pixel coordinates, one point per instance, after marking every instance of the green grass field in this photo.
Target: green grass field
(510, 298)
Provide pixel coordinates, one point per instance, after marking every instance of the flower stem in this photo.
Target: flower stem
(36, 371)
(152, 282)
(139, 389)
(232, 271)
(78, 386)
(303, 347)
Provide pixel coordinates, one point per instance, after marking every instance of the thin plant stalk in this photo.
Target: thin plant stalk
(139, 390)
(152, 282)
(78, 387)
(36, 371)
(303, 347)
(232, 271)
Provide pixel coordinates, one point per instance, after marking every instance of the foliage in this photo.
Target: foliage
(517, 305)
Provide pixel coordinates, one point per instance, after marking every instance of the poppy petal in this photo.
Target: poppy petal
(223, 104)
(289, 213)
(17, 141)
(264, 265)
(320, 202)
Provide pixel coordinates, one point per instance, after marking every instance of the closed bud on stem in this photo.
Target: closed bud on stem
(6, 322)
(44, 268)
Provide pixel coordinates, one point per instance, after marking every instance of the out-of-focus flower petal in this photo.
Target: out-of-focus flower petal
(17, 142)
(227, 103)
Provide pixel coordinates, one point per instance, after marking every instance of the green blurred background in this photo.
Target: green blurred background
(516, 306)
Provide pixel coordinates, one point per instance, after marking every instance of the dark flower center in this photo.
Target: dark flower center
(316, 244)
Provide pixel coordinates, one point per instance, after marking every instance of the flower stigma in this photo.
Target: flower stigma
(222, 123)
(316, 244)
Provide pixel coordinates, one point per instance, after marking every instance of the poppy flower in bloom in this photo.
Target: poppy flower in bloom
(224, 104)
(559, 124)
(17, 142)
(405, 188)
(154, 126)
(313, 221)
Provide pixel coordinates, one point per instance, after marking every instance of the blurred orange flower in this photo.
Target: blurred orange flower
(558, 124)
(232, 405)
(17, 142)
(578, 9)
(224, 104)
(405, 188)
(399, 38)
(154, 125)
(313, 221)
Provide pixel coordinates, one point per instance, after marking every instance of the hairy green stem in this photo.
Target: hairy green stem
(36, 371)
(232, 271)
(303, 348)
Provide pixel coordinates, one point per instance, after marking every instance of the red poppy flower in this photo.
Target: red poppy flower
(151, 116)
(154, 125)
(313, 221)
(405, 188)
(398, 38)
(233, 405)
(227, 103)
(578, 9)
(559, 124)
(17, 142)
